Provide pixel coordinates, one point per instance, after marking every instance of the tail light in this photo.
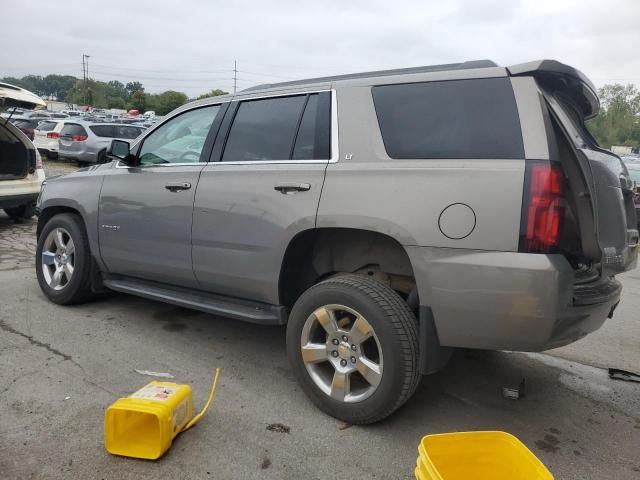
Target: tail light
(543, 207)
(79, 138)
(53, 135)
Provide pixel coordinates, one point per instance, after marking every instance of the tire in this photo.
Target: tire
(77, 288)
(23, 212)
(394, 337)
(101, 157)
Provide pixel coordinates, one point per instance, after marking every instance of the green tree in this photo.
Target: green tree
(137, 101)
(116, 102)
(133, 87)
(169, 100)
(213, 93)
(618, 122)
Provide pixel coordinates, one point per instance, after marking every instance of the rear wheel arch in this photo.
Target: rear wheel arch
(316, 254)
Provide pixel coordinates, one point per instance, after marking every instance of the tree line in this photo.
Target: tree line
(618, 122)
(111, 94)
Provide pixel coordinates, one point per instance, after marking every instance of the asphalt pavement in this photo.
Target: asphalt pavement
(60, 367)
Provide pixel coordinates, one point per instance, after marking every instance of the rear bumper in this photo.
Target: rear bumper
(510, 301)
(80, 156)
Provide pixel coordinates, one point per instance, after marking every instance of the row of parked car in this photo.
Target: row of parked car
(84, 141)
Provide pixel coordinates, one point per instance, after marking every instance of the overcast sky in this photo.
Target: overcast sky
(190, 45)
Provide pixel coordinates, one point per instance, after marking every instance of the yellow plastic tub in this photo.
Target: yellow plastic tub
(477, 456)
(144, 424)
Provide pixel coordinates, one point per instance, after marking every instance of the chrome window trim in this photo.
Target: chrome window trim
(334, 136)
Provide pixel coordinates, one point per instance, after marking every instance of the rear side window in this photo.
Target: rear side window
(103, 130)
(281, 128)
(46, 126)
(450, 119)
(71, 129)
(264, 129)
(127, 132)
(314, 135)
(26, 123)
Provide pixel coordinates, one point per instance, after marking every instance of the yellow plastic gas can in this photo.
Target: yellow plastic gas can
(144, 424)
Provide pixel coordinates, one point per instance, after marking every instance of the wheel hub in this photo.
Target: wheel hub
(341, 353)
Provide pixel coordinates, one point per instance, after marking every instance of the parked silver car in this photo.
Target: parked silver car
(343, 207)
(88, 142)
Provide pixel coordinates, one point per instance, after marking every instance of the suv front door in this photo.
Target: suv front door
(261, 189)
(146, 210)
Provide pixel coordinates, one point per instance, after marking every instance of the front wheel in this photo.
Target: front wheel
(63, 260)
(353, 346)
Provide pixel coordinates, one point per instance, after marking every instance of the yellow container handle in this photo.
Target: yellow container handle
(195, 419)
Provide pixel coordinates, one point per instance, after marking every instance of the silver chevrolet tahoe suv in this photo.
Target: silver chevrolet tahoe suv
(385, 217)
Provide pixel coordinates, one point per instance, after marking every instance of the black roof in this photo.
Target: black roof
(381, 73)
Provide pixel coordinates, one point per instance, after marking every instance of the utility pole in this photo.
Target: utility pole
(235, 75)
(84, 81)
(85, 73)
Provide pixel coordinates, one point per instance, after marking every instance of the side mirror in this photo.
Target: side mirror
(120, 150)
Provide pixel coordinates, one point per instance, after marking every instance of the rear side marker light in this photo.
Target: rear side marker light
(544, 207)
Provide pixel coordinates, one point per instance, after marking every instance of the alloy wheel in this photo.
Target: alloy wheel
(58, 258)
(342, 353)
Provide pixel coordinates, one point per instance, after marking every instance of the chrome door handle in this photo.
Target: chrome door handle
(175, 186)
(289, 188)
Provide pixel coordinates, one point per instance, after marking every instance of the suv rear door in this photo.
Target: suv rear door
(261, 189)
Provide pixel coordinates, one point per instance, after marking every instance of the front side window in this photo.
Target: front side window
(180, 140)
(449, 119)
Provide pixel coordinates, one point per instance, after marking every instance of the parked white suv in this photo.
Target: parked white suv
(21, 173)
(46, 136)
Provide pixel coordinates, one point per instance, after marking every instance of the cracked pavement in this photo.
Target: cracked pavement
(60, 367)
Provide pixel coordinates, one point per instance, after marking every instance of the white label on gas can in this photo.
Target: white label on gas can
(154, 392)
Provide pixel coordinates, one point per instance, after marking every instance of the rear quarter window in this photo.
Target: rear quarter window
(461, 119)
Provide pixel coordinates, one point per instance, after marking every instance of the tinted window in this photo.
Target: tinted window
(314, 135)
(450, 119)
(103, 130)
(46, 126)
(264, 129)
(180, 140)
(71, 129)
(123, 131)
(26, 123)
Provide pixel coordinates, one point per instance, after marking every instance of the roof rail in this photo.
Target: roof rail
(380, 73)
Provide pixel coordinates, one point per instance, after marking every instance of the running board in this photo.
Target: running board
(230, 307)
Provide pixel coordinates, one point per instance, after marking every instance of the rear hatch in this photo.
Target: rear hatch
(17, 155)
(72, 138)
(602, 190)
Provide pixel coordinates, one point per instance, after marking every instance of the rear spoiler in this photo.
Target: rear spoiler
(554, 75)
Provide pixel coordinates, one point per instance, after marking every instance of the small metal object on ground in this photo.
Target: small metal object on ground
(514, 393)
(617, 374)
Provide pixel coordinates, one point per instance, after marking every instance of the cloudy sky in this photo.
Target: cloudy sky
(191, 45)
